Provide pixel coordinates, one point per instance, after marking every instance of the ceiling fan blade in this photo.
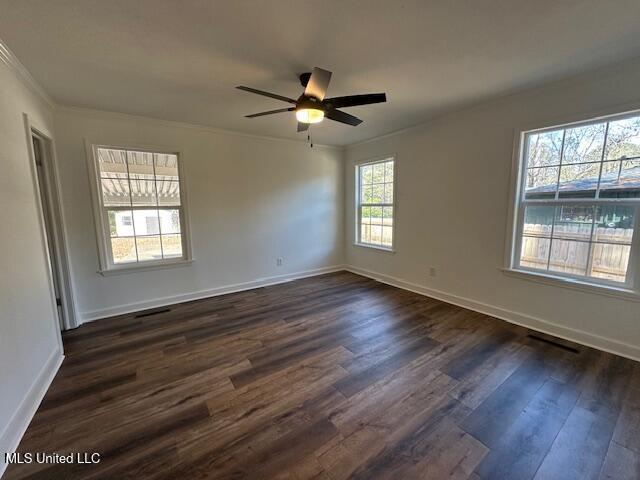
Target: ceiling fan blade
(303, 127)
(355, 100)
(266, 94)
(342, 117)
(261, 114)
(318, 83)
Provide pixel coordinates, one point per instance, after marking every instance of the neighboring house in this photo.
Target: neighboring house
(624, 183)
(147, 222)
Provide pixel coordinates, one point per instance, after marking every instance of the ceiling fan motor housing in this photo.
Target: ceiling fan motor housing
(304, 78)
(309, 102)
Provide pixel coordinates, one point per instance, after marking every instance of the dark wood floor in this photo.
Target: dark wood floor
(334, 377)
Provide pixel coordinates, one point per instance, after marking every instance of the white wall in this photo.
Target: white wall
(29, 340)
(250, 199)
(452, 209)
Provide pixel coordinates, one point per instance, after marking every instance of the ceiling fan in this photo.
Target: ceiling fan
(313, 107)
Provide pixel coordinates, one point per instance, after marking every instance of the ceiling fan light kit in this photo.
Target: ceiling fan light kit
(312, 107)
(309, 115)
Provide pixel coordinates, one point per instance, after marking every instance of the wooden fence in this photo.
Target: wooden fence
(379, 231)
(610, 258)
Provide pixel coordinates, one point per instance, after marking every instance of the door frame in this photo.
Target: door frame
(52, 189)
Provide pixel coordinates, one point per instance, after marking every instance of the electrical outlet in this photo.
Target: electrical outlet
(432, 271)
(279, 261)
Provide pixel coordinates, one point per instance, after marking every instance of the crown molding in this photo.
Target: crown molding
(158, 122)
(8, 58)
(523, 92)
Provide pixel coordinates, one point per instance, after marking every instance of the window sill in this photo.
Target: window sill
(574, 284)
(143, 268)
(375, 247)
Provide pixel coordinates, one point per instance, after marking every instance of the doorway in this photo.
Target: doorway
(53, 232)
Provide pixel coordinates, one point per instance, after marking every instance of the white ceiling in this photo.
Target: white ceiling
(179, 60)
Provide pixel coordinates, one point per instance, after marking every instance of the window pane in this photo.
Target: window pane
(388, 193)
(387, 236)
(149, 248)
(168, 193)
(143, 193)
(578, 238)
(544, 149)
(573, 223)
(541, 182)
(584, 144)
(376, 234)
(623, 138)
(377, 193)
(146, 222)
(376, 187)
(166, 166)
(388, 171)
(614, 224)
(112, 163)
(378, 172)
(171, 246)
(141, 179)
(579, 181)
(387, 216)
(366, 174)
(169, 221)
(365, 233)
(123, 249)
(366, 194)
(376, 215)
(538, 221)
(620, 179)
(120, 223)
(569, 257)
(610, 261)
(534, 252)
(365, 225)
(140, 165)
(365, 216)
(115, 192)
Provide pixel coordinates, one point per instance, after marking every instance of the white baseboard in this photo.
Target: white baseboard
(13, 432)
(534, 323)
(213, 292)
(578, 336)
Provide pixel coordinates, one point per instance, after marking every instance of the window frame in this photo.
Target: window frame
(106, 264)
(630, 288)
(358, 204)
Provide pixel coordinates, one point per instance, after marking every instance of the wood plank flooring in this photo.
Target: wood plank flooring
(333, 377)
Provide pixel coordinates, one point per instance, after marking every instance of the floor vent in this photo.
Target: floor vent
(555, 344)
(154, 311)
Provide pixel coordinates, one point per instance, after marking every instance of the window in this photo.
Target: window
(375, 204)
(141, 208)
(579, 201)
